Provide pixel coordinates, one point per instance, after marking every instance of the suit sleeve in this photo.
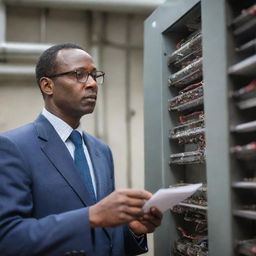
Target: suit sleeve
(111, 167)
(20, 234)
(132, 245)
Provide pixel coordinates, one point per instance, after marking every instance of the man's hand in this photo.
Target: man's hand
(120, 207)
(147, 223)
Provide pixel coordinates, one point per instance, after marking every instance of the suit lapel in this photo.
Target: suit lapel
(99, 166)
(58, 154)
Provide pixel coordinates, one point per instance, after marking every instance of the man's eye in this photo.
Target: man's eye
(81, 74)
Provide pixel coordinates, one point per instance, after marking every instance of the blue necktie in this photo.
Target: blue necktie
(81, 162)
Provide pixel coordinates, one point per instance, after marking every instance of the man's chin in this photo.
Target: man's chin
(88, 110)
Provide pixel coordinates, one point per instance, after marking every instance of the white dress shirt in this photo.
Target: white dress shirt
(64, 131)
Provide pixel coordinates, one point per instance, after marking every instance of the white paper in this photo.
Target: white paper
(165, 199)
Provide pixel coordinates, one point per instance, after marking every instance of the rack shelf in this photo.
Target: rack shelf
(194, 206)
(244, 184)
(245, 68)
(246, 28)
(193, 157)
(247, 247)
(187, 75)
(244, 17)
(248, 46)
(187, 100)
(245, 152)
(246, 104)
(190, 49)
(245, 127)
(190, 133)
(245, 214)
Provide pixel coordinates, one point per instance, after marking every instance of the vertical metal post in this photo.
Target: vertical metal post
(217, 127)
(2, 21)
(98, 35)
(128, 99)
(43, 19)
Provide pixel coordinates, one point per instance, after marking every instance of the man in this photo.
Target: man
(57, 183)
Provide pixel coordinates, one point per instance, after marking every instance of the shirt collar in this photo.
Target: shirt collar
(62, 128)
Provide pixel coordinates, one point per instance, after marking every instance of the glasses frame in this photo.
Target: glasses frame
(94, 77)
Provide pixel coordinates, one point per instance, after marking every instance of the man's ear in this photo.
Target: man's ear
(46, 85)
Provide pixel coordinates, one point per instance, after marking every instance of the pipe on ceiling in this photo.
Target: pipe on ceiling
(28, 48)
(2, 21)
(15, 70)
(134, 6)
(21, 50)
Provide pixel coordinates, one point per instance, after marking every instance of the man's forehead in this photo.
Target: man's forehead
(73, 57)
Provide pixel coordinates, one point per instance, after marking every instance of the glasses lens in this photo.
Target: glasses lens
(82, 75)
(99, 77)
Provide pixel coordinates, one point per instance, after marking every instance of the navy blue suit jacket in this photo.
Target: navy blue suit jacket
(44, 202)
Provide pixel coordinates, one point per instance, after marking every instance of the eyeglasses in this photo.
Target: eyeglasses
(82, 75)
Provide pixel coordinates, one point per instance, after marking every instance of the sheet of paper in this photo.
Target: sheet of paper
(165, 199)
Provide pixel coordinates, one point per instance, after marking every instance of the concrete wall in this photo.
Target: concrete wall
(116, 42)
(21, 100)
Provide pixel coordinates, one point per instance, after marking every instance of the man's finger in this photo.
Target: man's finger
(150, 226)
(134, 202)
(137, 193)
(154, 211)
(151, 219)
(125, 218)
(154, 216)
(134, 212)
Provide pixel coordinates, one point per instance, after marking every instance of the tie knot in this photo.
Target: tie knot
(76, 138)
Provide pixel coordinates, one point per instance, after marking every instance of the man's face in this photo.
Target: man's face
(69, 96)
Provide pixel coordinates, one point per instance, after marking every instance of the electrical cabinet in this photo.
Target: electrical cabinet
(200, 123)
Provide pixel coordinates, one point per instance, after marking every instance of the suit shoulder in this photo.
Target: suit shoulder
(19, 134)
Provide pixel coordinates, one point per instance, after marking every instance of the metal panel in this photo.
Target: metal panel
(157, 120)
(217, 127)
(229, 88)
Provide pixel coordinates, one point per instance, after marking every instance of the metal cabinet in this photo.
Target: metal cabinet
(199, 76)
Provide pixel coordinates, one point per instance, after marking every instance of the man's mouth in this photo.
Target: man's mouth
(89, 99)
(93, 96)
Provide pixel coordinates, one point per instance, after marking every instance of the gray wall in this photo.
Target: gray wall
(119, 113)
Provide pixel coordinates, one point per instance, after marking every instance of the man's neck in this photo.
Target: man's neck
(71, 121)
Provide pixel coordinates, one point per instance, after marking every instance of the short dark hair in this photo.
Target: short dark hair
(47, 64)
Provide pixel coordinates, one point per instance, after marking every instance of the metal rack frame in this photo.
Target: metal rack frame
(157, 118)
(219, 57)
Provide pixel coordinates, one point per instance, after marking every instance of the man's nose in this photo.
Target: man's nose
(90, 82)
